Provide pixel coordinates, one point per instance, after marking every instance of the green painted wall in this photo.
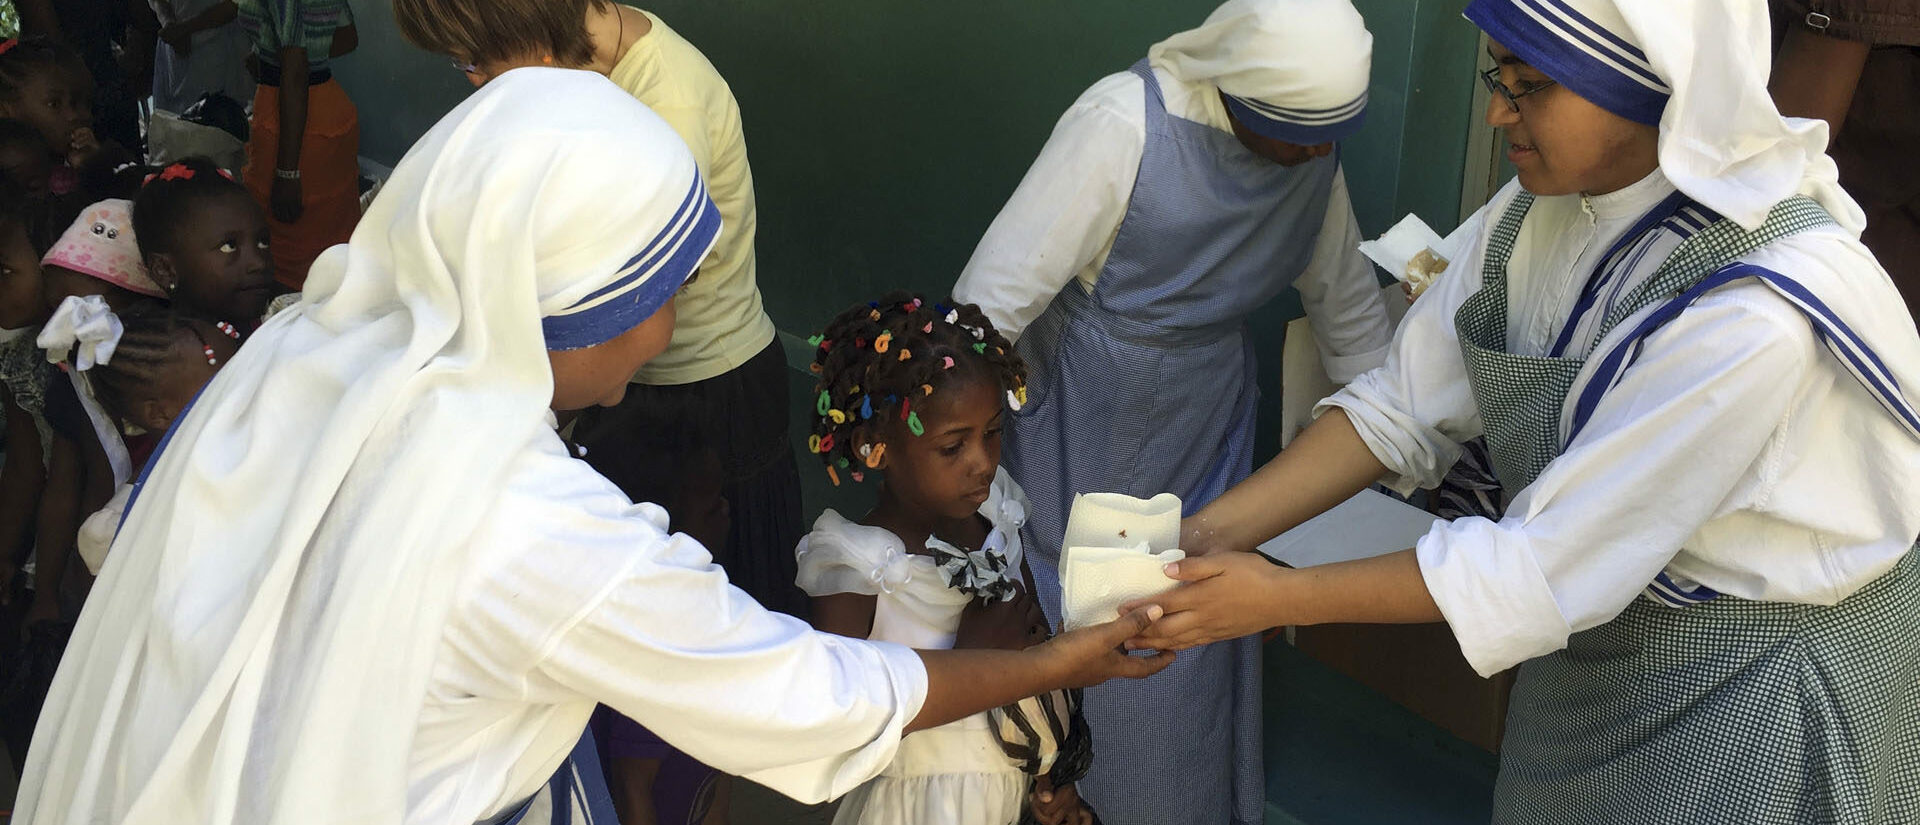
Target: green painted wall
(885, 135)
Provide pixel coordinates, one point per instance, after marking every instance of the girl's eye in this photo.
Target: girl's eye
(229, 247)
(952, 449)
(260, 244)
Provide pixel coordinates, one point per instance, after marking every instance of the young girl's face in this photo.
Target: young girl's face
(55, 105)
(948, 469)
(22, 285)
(28, 166)
(219, 264)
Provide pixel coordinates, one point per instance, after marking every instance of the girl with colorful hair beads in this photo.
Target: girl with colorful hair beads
(917, 392)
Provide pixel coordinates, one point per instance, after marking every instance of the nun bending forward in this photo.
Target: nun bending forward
(1698, 386)
(364, 581)
(1173, 201)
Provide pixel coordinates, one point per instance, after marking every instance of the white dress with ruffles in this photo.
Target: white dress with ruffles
(954, 774)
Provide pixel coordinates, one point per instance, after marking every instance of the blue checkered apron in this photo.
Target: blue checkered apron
(1144, 386)
(1691, 707)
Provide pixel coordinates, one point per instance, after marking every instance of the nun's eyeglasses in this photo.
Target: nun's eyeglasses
(1491, 77)
(465, 66)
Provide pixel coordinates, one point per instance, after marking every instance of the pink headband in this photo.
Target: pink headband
(100, 243)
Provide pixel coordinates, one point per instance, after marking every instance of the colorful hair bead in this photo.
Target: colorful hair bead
(814, 368)
(813, 444)
(873, 315)
(834, 475)
(926, 389)
(826, 443)
(881, 343)
(1020, 393)
(866, 407)
(874, 458)
(837, 416)
(825, 403)
(914, 426)
(859, 477)
(1013, 401)
(953, 316)
(906, 407)
(228, 329)
(928, 328)
(816, 340)
(947, 362)
(905, 353)
(859, 343)
(980, 349)
(916, 303)
(842, 462)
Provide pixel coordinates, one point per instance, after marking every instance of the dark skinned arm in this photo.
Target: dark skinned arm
(961, 683)
(1814, 76)
(286, 198)
(59, 527)
(21, 480)
(345, 40)
(844, 614)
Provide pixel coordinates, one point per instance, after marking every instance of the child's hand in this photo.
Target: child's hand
(1015, 624)
(286, 200)
(1058, 806)
(82, 145)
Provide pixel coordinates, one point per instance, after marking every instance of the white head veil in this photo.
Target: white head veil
(1292, 70)
(1698, 68)
(258, 645)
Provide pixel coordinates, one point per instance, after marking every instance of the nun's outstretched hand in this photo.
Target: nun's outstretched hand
(1224, 596)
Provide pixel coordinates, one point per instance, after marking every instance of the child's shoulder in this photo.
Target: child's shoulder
(843, 556)
(836, 535)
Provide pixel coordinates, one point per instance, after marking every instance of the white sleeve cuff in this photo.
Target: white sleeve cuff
(1492, 592)
(890, 669)
(1342, 369)
(1416, 457)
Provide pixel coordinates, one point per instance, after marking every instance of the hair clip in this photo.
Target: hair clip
(813, 444)
(906, 407)
(928, 328)
(873, 458)
(859, 477)
(926, 389)
(8, 44)
(833, 475)
(825, 403)
(866, 450)
(913, 425)
(816, 340)
(873, 315)
(859, 343)
(940, 308)
(978, 333)
(953, 316)
(226, 174)
(1020, 394)
(826, 443)
(1013, 401)
(837, 416)
(916, 303)
(905, 354)
(814, 368)
(947, 361)
(881, 343)
(178, 171)
(842, 462)
(980, 349)
(999, 351)
(228, 329)
(866, 407)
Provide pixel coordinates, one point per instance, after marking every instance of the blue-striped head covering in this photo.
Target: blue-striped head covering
(1292, 70)
(1584, 45)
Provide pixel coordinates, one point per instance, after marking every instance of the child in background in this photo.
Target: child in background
(668, 460)
(160, 361)
(206, 242)
(45, 85)
(918, 392)
(24, 159)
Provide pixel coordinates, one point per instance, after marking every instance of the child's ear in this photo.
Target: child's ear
(160, 268)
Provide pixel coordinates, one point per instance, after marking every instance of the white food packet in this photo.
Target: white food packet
(1414, 254)
(1116, 546)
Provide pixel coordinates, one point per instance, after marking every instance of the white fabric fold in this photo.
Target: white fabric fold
(82, 332)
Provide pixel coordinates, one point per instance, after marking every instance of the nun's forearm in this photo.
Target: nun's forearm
(1327, 464)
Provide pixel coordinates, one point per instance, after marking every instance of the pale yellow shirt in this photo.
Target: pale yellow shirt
(721, 321)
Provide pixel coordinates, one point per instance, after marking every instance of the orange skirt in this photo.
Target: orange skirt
(329, 176)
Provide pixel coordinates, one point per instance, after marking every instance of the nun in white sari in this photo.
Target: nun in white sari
(1697, 389)
(363, 580)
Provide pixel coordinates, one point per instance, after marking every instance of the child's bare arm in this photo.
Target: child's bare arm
(844, 614)
(59, 527)
(21, 480)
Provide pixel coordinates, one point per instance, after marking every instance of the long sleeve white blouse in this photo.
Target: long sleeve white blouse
(1736, 452)
(1059, 226)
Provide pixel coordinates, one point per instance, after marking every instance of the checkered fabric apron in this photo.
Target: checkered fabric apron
(1722, 710)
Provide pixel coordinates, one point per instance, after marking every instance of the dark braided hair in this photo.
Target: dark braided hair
(171, 195)
(154, 340)
(26, 59)
(884, 357)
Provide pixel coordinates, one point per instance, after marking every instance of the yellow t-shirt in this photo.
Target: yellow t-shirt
(721, 320)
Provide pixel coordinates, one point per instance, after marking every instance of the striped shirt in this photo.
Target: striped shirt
(274, 25)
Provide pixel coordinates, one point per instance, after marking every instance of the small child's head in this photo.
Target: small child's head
(24, 159)
(917, 390)
(162, 360)
(39, 85)
(670, 461)
(98, 255)
(205, 241)
(22, 287)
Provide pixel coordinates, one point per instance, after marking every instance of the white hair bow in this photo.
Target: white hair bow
(82, 332)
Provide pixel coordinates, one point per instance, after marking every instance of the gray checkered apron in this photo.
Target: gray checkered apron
(1147, 386)
(1720, 710)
